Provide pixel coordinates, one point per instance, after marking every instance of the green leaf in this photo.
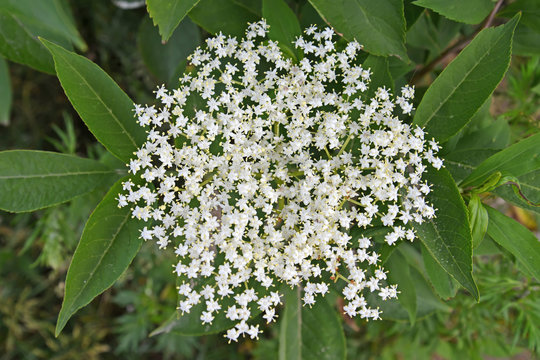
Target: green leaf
(432, 33)
(254, 6)
(310, 333)
(445, 286)
(167, 14)
(163, 60)
(109, 242)
(516, 160)
(530, 12)
(399, 68)
(380, 74)
(463, 87)
(466, 11)
(529, 185)
(398, 273)
(21, 22)
(31, 180)
(5, 93)
(426, 302)
(378, 25)
(423, 34)
(51, 19)
(103, 106)
(222, 15)
(284, 26)
(494, 136)
(18, 44)
(527, 35)
(309, 16)
(447, 237)
(515, 238)
(412, 12)
(478, 218)
(461, 163)
(526, 42)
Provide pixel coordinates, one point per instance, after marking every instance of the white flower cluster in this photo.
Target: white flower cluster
(256, 168)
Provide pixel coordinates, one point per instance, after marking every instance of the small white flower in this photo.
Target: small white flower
(259, 171)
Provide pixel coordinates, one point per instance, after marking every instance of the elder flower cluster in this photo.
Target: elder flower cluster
(256, 169)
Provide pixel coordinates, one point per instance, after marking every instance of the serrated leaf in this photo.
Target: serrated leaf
(526, 42)
(445, 286)
(163, 59)
(478, 218)
(310, 333)
(284, 26)
(466, 11)
(516, 160)
(103, 106)
(222, 15)
(109, 242)
(167, 14)
(378, 25)
(515, 238)
(465, 84)
(447, 237)
(5, 93)
(31, 180)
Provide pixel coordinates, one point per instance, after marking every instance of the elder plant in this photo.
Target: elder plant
(266, 176)
(286, 168)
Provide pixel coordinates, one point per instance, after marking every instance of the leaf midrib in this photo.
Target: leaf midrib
(118, 122)
(442, 103)
(113, 239)
(459, 164)
(480, 169)
(55, 175)
(446, 248)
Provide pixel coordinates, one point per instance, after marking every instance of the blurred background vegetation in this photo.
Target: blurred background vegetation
(36, 248)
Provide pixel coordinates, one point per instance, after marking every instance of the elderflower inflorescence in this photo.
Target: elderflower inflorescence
(257, 168)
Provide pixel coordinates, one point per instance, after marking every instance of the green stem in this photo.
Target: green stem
(345, 144)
